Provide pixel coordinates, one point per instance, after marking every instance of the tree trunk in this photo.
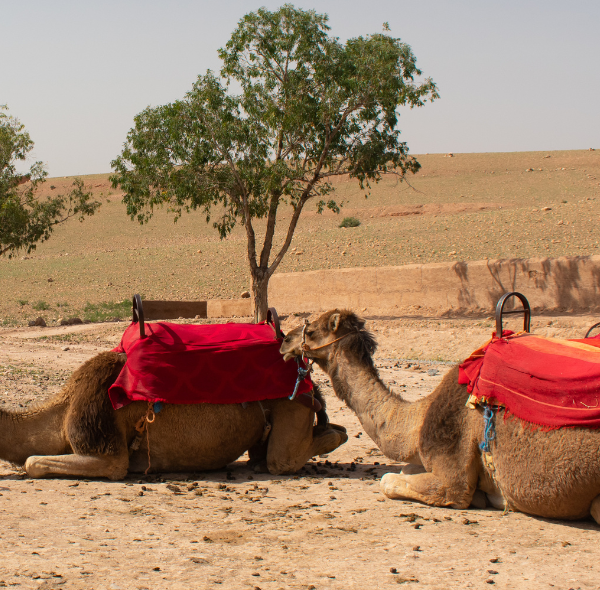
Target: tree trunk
(260, 288)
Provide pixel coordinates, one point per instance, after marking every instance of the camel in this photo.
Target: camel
(77, 433)
(553, 474)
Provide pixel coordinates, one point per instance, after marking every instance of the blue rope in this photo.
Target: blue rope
(157, 407)
(302, 373)
(489, 432)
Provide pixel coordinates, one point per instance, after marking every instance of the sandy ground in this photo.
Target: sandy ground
(327, 527)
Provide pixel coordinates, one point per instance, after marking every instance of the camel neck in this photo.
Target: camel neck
(389, 420)
(31, 432)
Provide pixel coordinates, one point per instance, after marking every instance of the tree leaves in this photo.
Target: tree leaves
(25, 218)
(309, 108)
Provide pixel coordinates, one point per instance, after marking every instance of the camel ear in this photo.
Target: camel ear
(334, 322)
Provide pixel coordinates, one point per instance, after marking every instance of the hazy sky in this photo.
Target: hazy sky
(513, 75)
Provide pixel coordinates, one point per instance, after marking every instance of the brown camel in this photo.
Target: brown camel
(553, 474)
(77, 433)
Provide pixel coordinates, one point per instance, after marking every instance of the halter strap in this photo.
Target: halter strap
(306, 348)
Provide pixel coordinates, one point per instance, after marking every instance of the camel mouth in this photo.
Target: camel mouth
(288, 356)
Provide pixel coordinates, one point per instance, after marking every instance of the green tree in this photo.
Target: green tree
(309, 108)
(25, 218)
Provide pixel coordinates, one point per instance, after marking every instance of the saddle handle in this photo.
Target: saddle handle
(138, 314)
(587, 334)
(273, 319)
(526, 311)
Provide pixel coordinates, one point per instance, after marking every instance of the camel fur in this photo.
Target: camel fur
(77, 433)
(553, 474)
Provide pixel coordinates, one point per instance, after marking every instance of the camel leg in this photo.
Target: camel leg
(293, 440)
(111, 466)
(427, 488)
(595, 509)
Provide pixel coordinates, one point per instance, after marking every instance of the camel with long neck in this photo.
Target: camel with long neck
(77, 433)
(553, 474)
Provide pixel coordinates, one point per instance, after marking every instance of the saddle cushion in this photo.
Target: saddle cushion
(545, 381)
(218, 363)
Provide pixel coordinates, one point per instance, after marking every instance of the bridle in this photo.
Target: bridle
(303, 372)
(306, 348)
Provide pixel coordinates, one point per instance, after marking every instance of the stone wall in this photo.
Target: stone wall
(567, 284)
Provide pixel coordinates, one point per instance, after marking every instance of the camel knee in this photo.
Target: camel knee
(35, 468)
(328, 441)
(595, 509)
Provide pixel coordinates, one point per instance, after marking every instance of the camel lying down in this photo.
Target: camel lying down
(78, 433)
(553, 474)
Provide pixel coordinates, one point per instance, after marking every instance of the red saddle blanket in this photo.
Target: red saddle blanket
(219, 364)
(549, 382)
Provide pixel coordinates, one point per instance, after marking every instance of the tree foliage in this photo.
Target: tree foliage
(309, 108)
(25, 218)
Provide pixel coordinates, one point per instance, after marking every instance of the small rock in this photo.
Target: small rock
(546, 208)
(432, 372)
(38, 322)
(65, 348)
(495, 560)
(50, 280)
(199, 560)
(529, 170)
(490, 581)
(453, 253)
(299, 252)
(492, 572)
(245, 295)
(417, 548)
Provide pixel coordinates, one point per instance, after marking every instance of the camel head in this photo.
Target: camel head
(334, 330)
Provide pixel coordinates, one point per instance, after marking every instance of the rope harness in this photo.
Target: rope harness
(142, 425)
(489, 430)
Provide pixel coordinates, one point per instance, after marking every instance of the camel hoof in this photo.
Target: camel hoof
(330, 440)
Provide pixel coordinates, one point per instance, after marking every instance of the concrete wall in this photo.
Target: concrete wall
(214, 308)
(570, 284)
